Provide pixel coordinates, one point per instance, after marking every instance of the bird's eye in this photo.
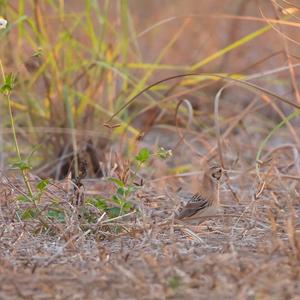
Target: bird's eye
(217, 174)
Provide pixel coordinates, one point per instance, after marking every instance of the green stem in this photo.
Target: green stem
(24, 172)
(12, 122)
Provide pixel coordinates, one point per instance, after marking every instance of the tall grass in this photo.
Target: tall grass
(96, 72)
(77, 67)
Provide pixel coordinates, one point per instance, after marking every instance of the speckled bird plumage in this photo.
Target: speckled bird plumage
(203, 203)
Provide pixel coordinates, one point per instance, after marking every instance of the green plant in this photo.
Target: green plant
(5, 90)
(174, 282)
(127, 184)
(35, 211)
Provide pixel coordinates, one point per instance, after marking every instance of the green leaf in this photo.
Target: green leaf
(118, 182)
(122, 191)
(163, 153)
(28, 214)
(143, 155)
(98, 202)
(56, 214)
(125, 191)
(8, 85)
(117, 199)
(22, 165)
(42, 184)
(126, 207)
(131, 188)
(114, 212)
(174, 282)
(23, 198)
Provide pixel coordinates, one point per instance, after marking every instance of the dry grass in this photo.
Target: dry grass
(252, 252)
(243, 113)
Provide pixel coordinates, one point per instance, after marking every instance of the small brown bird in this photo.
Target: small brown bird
(204, 203)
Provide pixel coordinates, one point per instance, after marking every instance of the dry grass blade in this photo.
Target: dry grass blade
(174, 85)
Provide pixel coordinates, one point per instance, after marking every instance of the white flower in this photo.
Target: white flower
(3, 23)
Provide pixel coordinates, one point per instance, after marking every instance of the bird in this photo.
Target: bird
(199, 206)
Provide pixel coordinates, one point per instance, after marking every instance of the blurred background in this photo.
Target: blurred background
(78, 63)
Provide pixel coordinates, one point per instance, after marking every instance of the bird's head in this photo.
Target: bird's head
(215, 172)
